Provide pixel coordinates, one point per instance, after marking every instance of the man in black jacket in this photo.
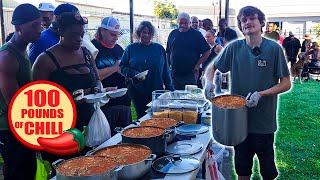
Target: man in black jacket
(291, 45)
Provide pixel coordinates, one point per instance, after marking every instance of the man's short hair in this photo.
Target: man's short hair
(249, 11)
(183, 15)
(222, 21)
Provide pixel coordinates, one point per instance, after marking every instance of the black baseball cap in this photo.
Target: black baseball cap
(25, 13)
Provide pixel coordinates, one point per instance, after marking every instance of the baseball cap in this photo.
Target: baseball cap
(66, 7)
(45, 6)
(25, 13)
(69, 18)
(110, 23)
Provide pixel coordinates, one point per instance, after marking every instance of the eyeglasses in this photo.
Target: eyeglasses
(245, 19)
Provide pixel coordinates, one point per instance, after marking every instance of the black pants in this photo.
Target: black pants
(262, 145)
(118, 116)
(19, 161)
(139, 100)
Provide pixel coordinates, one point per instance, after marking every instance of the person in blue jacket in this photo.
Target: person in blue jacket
(141, 56)
(50, 36)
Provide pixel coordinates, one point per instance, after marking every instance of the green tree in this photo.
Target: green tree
(165, 9)
(316, 30)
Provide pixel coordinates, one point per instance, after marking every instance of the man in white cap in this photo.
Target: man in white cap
(108, 59)
(46, 9)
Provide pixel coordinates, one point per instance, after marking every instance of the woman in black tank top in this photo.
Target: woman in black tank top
(71, 66)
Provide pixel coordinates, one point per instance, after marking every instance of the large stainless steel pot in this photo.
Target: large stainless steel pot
(230, 126)
(157, 144)
(111, 174)
(172, 129)
(132, 171)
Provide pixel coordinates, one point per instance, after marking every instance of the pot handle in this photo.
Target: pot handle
(118, 168)
(55, 163)
(151, 157)
(136, 122)
(179, 123)
(118, 129)
(168, 131)
(89, 153)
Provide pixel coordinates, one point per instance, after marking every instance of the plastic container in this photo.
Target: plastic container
(218, 154)
(206, 118)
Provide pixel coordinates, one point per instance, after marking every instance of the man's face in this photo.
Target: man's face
(195, 23)
(47, 18)
(250, 24)
(270, 27)
(184, 25)
(109, 37)
(223, 26)
(30, 31)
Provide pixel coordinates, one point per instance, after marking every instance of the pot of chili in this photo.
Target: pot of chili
(153, 137)
(136, 159)
(87, 168)
(230, 119)
(166, 123)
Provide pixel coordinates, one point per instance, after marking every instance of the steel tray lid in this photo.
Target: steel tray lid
(176, 164)
(186, 147)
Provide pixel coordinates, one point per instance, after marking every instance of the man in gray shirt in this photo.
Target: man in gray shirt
(257, 65)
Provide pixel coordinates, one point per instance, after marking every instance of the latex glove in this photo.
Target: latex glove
(141, 78)
(209, 90)
(254, 99)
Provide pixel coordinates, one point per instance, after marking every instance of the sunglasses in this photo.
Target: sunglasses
(76, 16)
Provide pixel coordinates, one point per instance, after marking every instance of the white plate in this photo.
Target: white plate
(186, 147)
(93, 98)
(142, 74)
(192, 129)
(117, 93)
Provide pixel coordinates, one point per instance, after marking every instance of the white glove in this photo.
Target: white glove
(253, 100)
(209, 90)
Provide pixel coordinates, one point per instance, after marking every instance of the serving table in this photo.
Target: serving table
(205, 139)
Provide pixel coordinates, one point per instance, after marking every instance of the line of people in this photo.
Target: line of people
(59, 55)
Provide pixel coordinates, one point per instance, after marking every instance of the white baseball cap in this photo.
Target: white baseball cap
(45, 6)
(110, 23)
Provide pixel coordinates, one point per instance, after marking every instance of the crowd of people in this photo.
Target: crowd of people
(57, 53)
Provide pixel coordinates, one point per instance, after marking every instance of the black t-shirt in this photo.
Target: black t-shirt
(107, 58)
(292, 46)
(227, 35)
(185, 49)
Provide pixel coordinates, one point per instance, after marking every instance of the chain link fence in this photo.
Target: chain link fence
(161, 36)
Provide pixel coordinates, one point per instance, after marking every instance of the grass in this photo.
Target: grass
(297, 140)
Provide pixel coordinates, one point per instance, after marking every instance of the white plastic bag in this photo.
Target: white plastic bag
(212, 172)
(98, 128)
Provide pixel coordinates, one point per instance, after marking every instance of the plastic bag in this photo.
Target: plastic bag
(98, 128)
(41, 173)
(212, 172)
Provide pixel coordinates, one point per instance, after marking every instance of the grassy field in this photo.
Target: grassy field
(298, 136)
